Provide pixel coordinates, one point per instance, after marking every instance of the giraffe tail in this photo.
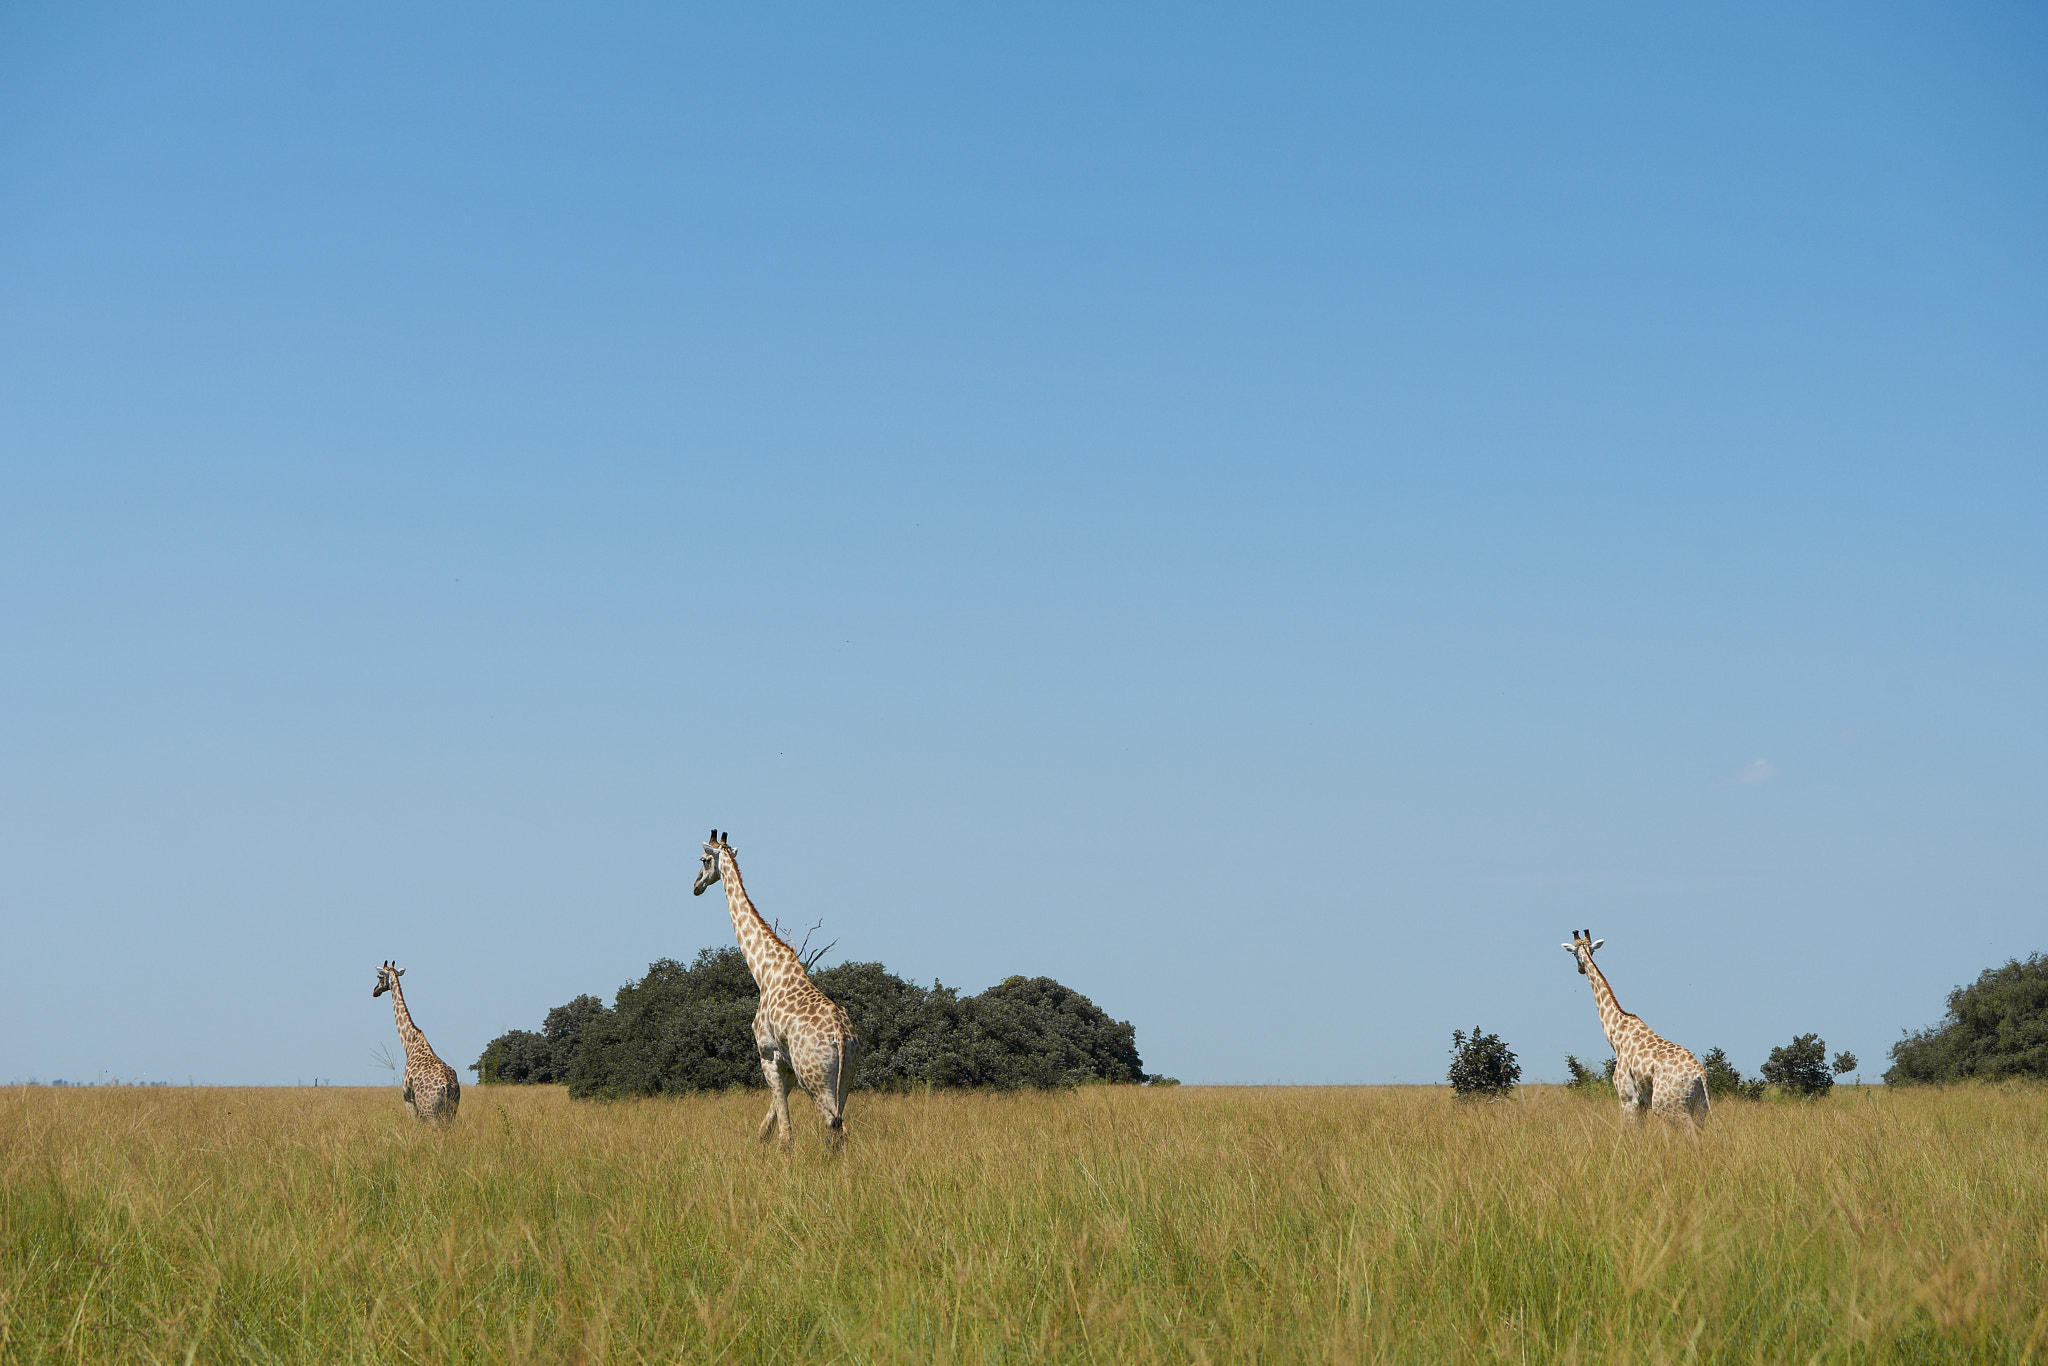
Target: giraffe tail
(842, 1077)
(1696, 1103)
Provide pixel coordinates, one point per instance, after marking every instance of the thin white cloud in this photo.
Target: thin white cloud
(1753, 772)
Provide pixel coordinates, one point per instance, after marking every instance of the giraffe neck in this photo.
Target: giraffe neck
(768, 958)
(408, 1032)
(1610, 1009)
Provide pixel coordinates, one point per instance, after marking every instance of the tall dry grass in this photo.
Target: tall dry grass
(1102, 1225)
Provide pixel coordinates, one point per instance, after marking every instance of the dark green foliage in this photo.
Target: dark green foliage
(681, 1029)
(909, 1036)
(676, 1029)
(523, 1056)
(518, 1056)
(1996, 1027)
(1725, 1079)
(1481, 1065)
(1031, 1031)
(1801, 1066)
(1844, 1064)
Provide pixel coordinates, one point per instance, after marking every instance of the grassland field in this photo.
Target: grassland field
(1108, 1224)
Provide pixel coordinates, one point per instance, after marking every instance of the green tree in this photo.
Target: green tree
(1481, 1065)
(1801, 1066)
(1723, 1077)
(1031, 1031)
(681, 1029)
(518, 1056)
(1996, 1027)
(522, 1056)
(902, 1026)
(676, 1029)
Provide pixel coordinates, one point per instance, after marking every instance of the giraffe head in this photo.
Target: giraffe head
(1581, 948)
(712, 870)
(387, 979)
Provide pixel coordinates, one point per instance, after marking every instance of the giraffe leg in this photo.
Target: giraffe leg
(778, 1098)
(828, 1089)
(1635, 1093)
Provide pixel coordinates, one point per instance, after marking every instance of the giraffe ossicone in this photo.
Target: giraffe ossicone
(432, 1090)
(1651, 1073)
(798, 1030)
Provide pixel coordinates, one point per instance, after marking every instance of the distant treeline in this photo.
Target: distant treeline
(681, 1029)
(1996, 1027)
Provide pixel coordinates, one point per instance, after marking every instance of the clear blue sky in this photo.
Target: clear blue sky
(1272, 520)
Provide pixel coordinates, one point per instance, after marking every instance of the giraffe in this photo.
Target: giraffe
(798, 1029)
(432, 1090)
(1650, 1072)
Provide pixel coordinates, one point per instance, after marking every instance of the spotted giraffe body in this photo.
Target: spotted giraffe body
(1651, 1073)
(801, 1034)
(432, 1090)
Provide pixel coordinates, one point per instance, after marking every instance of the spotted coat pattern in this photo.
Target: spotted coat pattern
(1651, 1073)
(432, 1090)
(802, 1034)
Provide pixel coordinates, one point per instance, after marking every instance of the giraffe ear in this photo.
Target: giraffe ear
(1598, 942)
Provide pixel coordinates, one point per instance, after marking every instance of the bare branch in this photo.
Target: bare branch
(808, 958)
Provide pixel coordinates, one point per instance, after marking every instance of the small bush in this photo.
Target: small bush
(1801, 1066)
(1725, 1079)
(1585, 1080)
(1481, 1065)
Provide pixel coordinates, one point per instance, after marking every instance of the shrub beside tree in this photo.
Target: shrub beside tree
(682, 1029)
(1585, 1079)
(1996, 1027)
(1800, 1067)
(1481, 1065)
(1725, 1079)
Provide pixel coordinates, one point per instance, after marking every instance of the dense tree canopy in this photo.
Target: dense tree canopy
(1996, 1027)
(524, 1056)
(1481, 1065)
(690, 1028)
(1801, 1066)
